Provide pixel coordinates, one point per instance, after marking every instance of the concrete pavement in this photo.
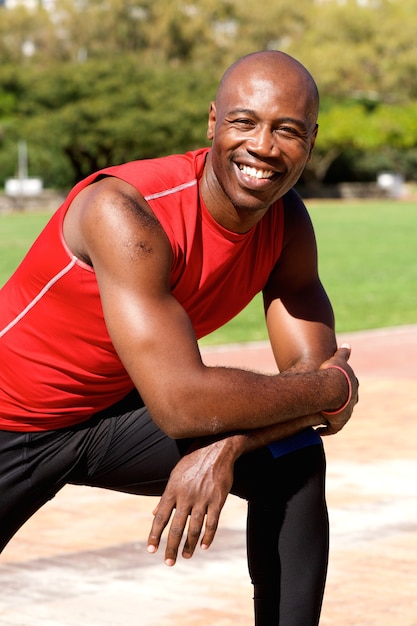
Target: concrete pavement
(82, 560)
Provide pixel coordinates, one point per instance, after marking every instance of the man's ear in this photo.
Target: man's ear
(211, 121)
(313, 141)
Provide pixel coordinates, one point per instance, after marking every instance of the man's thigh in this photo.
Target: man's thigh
(121, 448)
(130, 453)
(33, 467)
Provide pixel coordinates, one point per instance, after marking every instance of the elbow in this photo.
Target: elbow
(171, 424)
(178, 431)
(185, 423)
(183, 410)
(179, 426)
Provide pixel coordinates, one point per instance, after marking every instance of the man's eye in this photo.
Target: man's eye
(243, 122)
(289, 130)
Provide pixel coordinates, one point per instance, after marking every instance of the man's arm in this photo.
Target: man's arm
(301, 327)
(110, 225)
(298, 311)
(300, 323)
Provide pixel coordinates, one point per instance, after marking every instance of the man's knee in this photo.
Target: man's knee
(261, 475)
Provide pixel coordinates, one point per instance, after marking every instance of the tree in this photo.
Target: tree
(386, 134)
(132, 112)
(97, 82)
(364, 50)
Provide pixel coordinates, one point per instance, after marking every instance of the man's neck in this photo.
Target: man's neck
(234, 219)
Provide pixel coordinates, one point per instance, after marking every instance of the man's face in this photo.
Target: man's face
(262, 132)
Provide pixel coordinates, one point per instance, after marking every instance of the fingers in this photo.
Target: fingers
(162, 514)
(175, 535)
(195, 526)
(326, 430)
(344, 351)
(340, 357)
(323, 431)
(194, 532)
(194, 496)
(195, 519)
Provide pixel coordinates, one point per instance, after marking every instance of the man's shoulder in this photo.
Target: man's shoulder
(158, 174)
(294, 207)
(292, 199)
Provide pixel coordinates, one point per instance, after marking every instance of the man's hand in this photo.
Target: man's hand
(336, 421)
(197, 490)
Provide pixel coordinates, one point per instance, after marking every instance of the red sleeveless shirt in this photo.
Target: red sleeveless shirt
(57, 363)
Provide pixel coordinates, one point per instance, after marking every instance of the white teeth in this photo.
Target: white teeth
(255, 173)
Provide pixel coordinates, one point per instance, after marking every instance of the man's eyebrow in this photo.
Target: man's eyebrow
(282, 120)
(243, 112)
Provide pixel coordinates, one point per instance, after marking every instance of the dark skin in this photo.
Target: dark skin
(263, 128)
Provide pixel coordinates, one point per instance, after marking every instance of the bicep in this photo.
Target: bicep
(149, 329)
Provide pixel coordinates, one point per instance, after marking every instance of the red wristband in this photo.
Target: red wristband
(342, 408)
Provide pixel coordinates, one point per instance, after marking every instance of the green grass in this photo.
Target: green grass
(17, 232)
(368, 264)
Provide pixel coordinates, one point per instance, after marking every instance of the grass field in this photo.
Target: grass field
(368, 264)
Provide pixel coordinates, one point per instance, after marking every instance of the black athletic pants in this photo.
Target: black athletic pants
(122, 449)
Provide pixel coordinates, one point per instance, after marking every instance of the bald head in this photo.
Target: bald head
(262, 128)
(277, 67)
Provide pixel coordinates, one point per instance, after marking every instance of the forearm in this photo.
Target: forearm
(229, 400)
(237, 444)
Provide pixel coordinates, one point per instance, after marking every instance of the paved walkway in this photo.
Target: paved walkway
(81, 561)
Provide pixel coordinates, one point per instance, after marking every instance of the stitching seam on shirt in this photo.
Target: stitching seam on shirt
(40, 295)
(167, 192)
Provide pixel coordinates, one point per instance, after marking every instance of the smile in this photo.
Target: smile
(254, 172)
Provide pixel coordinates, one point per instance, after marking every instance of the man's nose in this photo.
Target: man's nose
(264, 141)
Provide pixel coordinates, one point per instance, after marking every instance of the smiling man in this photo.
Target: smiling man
(101, 378)
(264, 124)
